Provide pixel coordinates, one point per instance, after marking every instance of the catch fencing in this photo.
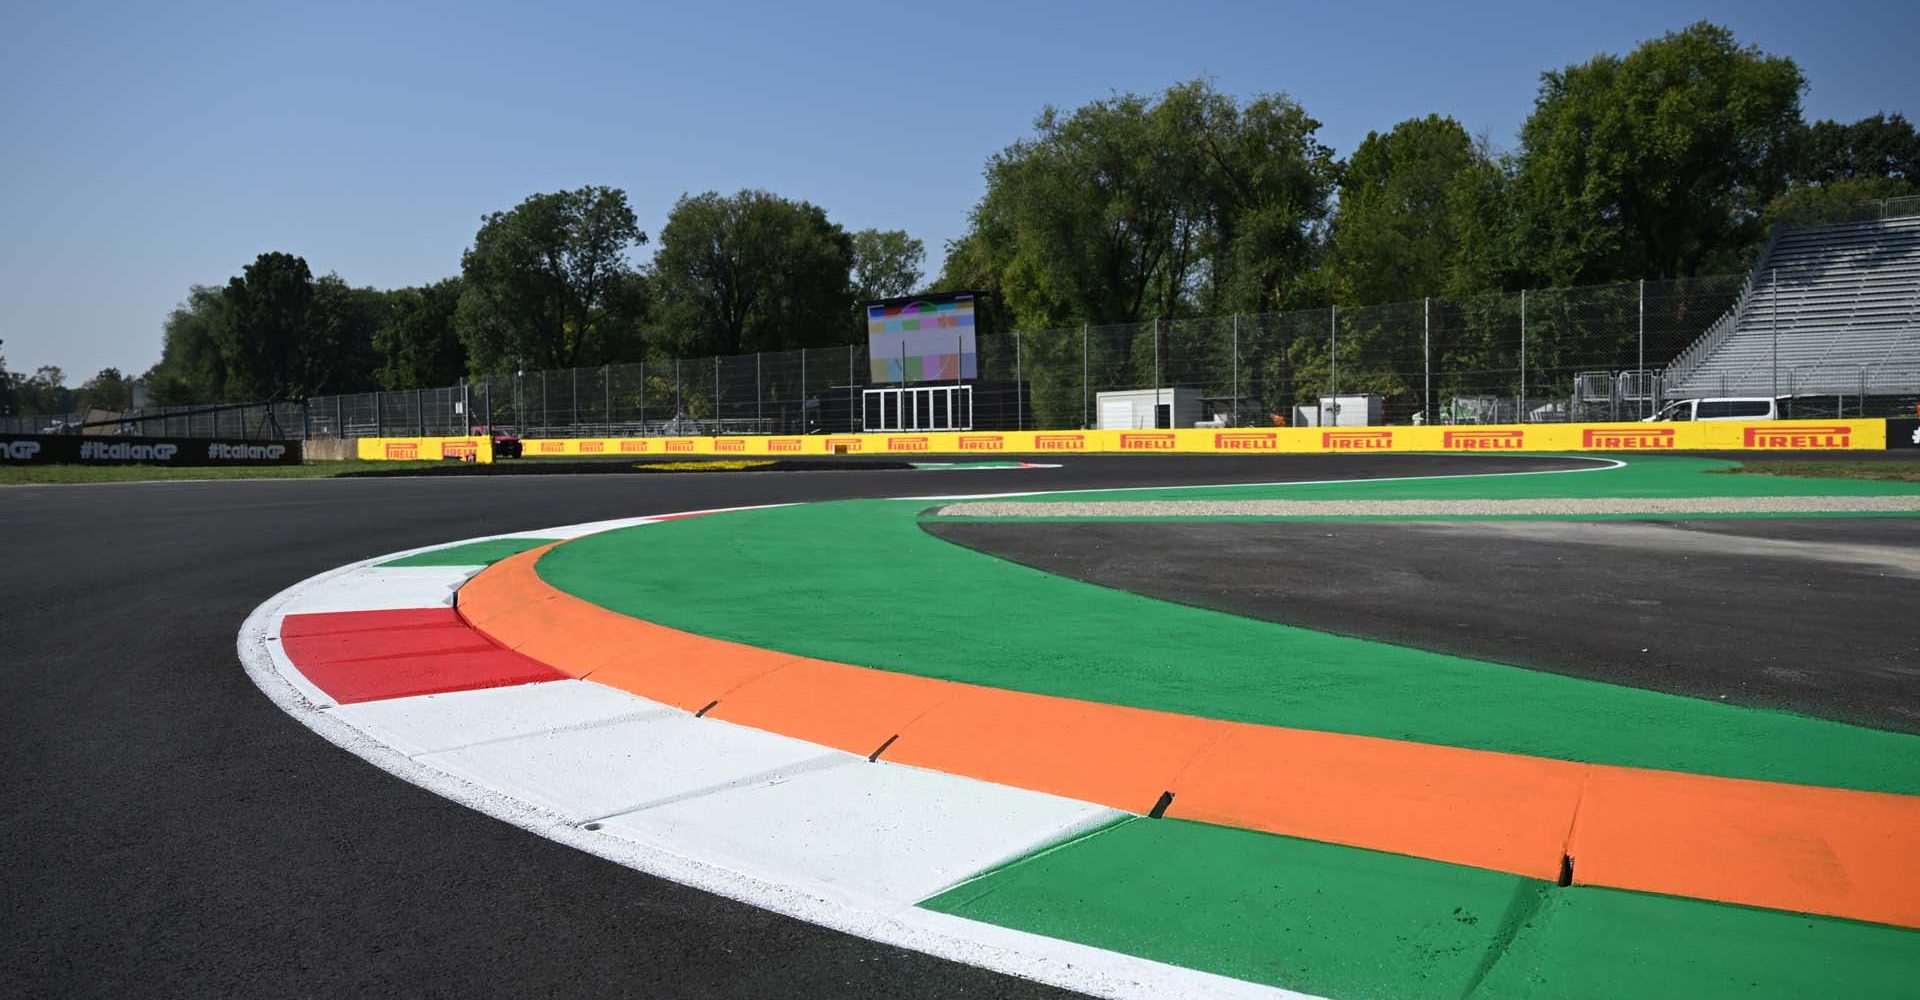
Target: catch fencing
(1591, 353)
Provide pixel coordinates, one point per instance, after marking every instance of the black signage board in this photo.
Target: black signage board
(88, 449)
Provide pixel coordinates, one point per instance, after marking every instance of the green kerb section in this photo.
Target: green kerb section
(473, 553)
(1342, 922)
(859, 582)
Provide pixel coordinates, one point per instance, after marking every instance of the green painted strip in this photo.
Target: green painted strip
(1211, 518)
(1653, 476)
(1343, 922)
(484, 553)
(859, 582)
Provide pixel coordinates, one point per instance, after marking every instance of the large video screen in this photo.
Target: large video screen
(926, 339)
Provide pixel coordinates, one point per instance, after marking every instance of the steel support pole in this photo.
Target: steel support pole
(1234, 395)
(643, 399)
(1520, 412)
(1426, 359)
(851, 426)
(757, 402)
(1084, 420)
(1638, 410)
(1019, 387)
(1156, 376)
(420, 412)
(606, 397)
(1775, 274)
(1333, 361)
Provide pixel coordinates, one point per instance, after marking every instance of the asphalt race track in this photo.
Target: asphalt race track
(169, 831)
(1799, 614)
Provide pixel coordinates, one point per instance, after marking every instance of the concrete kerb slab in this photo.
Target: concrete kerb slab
(1048, 960)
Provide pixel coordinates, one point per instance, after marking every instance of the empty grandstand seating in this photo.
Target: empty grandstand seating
(1845, 300)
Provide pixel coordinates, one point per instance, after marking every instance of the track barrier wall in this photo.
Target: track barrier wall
(413, 449)
(1869, 434)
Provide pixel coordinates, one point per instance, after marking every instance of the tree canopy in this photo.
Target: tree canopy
(548, 284)
(751, 272)
(1669, 161)
(1133, 207)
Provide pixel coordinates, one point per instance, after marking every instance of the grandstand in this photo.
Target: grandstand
(1844, 300)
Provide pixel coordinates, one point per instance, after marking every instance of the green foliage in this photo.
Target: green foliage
(751, 272)
(107, 390)
(1657, 164)
(193, 363)
(548, 284)
(1877, 148)
(886, 264)
(419, 345)
(1130, 208)
(269, 305)
(1419, 207)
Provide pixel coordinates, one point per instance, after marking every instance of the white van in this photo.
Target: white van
(1720, 408)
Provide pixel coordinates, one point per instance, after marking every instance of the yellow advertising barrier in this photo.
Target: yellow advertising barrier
(1487, 438)
(411, 449)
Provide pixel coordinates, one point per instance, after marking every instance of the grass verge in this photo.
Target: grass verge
(35, 474)
(1898, 472)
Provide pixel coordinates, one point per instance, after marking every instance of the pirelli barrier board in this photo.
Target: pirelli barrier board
(478, 448)
(1718, 436)
(104, 449)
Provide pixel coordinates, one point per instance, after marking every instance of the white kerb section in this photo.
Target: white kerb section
(784, 824)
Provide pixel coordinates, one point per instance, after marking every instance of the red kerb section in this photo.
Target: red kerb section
(357, 656)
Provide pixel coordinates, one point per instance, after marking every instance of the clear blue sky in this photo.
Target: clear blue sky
(149, 147)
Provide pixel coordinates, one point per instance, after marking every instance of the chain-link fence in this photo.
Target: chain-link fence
(1590, 353)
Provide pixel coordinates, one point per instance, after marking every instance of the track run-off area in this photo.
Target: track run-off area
(828, 711)
(863, 713)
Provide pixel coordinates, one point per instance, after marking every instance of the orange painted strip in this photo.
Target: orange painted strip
(1813, 850)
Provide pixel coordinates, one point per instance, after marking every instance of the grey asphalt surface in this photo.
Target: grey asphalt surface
(166, 831)
(1819, 615)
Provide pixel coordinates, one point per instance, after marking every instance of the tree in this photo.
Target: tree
(1131, 208)
(108, 390)
(1414, 215)
(886, 264)
(419, 345)
(193, 363)
(548, 284)
(1658, 164)
(269, 305)
(751, 272)
(336, 350)
(1882, 147)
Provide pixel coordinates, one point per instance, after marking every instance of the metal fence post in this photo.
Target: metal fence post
(1521, 412)
(643, 399)
(851, 426)
(379, 415)
(606, 397)
(486, 401)
(1234, 393)
(1775, 276)
(716, 392)
(420, 412)
(1156, 374)
(1019, 387)
(679, 398)
(339, 417)
(1085, 422)
(1426, 359)
(545, 418)
(803, 390)
(1638, 410)
(1333, 359)
(757, 428)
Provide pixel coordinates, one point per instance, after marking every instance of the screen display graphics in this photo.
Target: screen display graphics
(927, 339)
